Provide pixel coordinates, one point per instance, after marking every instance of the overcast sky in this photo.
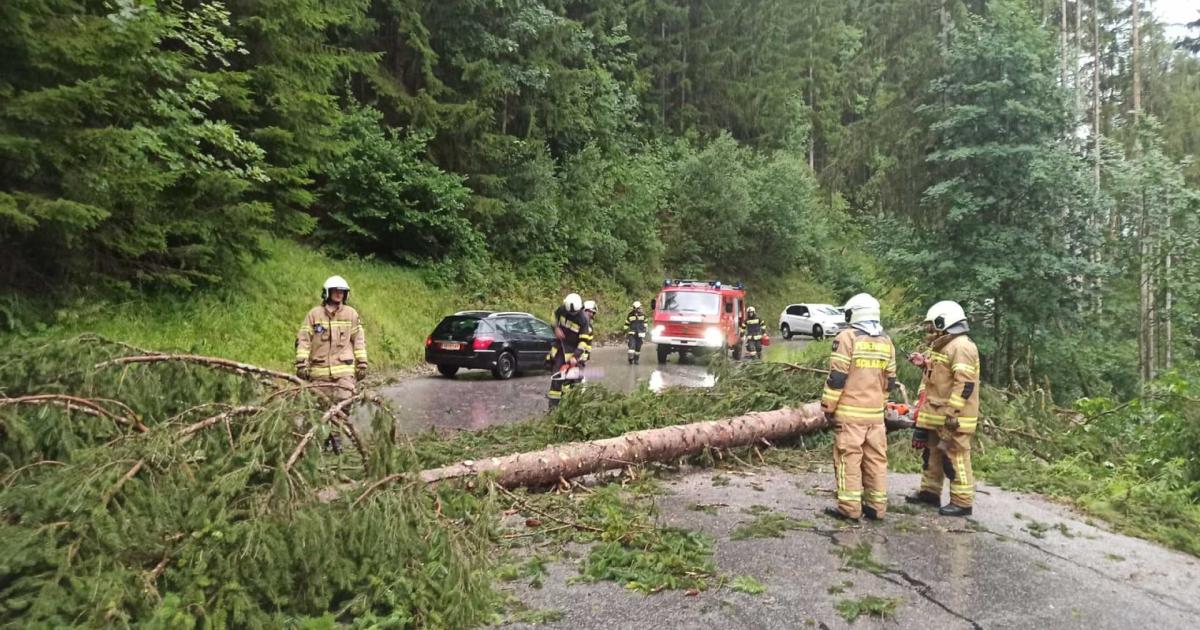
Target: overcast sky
(1175, 14)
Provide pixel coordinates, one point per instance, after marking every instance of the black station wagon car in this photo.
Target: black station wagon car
(504, 342)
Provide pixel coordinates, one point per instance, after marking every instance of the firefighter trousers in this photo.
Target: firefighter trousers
(860, 466)
(559, 385)
(948, 456)
(635, 345)
(754, 348)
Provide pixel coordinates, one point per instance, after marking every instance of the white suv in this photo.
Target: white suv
(817, 320)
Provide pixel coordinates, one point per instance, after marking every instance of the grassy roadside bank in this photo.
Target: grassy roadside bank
(254, 319)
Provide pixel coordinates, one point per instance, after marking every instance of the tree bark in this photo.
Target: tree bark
(564, 461)
(1135, 62)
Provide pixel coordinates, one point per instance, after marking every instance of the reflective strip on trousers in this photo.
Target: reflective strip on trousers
(332, 372)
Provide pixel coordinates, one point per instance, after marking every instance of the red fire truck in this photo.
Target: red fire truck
(696, 316)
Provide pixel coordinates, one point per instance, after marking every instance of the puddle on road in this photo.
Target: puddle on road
(474, 400)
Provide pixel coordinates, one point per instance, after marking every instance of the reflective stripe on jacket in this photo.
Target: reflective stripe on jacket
(635, 323)
(951, 384)
(577, 333)
(862, 369)
(753, 328)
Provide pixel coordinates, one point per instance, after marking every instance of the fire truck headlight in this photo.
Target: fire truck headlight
(656, 334)
(714, 338)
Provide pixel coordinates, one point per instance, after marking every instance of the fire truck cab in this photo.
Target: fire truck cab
(696, 316)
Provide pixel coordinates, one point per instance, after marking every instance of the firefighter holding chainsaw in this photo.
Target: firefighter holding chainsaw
(635, 332)
(948, 411)
(862, 370)
(572, 345)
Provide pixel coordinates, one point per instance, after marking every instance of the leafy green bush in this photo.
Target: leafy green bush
(383, 198)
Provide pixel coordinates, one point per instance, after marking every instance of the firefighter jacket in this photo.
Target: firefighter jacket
(331, 342)
(951, 384)
(635, 323)
(862, 370)
(753, 328)
(576, 334)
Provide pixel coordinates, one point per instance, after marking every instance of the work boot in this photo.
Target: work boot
(871, 514)
(923, 497)
(836, 513)
(954, 510)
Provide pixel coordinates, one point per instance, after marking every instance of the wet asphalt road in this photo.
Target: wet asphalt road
(474, 399)
(1021, 562)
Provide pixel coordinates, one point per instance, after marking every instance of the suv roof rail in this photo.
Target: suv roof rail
(475, 313)
(510, 314)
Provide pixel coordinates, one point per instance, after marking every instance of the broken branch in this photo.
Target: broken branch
(215, 362)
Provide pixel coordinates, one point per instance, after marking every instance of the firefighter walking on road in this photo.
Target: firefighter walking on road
(635, 332)
(753, 330)
(862, 370)
(572, 344)
(948, 418)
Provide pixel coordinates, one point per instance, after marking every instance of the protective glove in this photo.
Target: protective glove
(920, 438)
(917, 359)
(360, 372)
(952, 423)
(303, 371)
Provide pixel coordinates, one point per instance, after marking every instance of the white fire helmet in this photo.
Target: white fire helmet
(862, 308)
(945, 314)
(335, 282)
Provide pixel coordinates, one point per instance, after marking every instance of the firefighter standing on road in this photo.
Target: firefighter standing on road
(572, 342)
(635, 332)
(947, 420)
(331, 348)
(752, 331)
(862, 370)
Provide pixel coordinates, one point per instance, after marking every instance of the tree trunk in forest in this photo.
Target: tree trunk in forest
(1062, 44)
(1168, 356)
(565, 461)
(1135, 63)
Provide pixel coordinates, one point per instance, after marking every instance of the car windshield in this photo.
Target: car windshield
(691, 302)
(826, 309)
(457, 328)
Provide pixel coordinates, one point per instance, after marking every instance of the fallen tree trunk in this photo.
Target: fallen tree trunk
(564, 461)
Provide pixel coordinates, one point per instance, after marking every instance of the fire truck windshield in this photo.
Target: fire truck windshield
(691, 302)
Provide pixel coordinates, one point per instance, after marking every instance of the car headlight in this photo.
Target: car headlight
(714, 338)
(657, 332)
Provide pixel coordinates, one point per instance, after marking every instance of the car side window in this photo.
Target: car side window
(803, 311)
(541, 329)
(793, 310)
(519, 326)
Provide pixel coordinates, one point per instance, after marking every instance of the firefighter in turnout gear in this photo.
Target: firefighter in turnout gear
(635, 332)
(862, 370)
(950, 413)
(753, 330)
(572, 344)
(331, 347)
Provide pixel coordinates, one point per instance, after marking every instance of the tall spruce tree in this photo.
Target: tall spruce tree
(116, 161)
(1009, 198)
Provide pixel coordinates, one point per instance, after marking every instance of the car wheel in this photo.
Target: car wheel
(818, 332)
(448, 370)
(506, 366)
(785, 330)
(663, 352)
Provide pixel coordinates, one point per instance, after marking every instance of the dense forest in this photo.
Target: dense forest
(1030, 158)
